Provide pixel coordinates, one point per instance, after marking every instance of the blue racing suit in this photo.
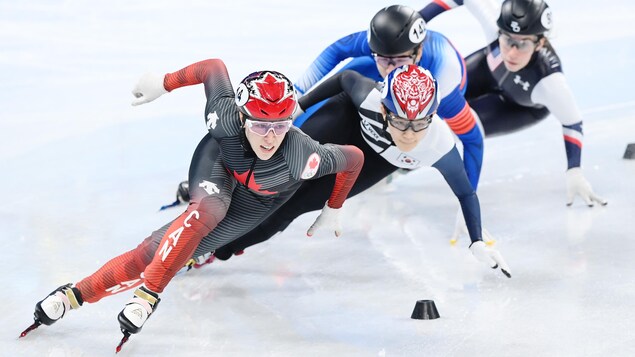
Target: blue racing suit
(438, 56)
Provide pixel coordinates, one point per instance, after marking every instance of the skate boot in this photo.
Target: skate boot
(225, 254)
(136, 312)
(182, 196)
(183, 192)
(208, 258)
(54, 306)
(200, 261)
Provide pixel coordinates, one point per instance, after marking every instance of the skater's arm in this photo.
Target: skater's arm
(354, 84)
(211, 72)
(450, 166)
(353, 45)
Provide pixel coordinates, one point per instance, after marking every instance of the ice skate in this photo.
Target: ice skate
(54, 306)
(136, 313)
(209, 258)
(200, 261)
(182, 196)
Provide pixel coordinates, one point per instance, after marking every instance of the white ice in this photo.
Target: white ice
(83, 173)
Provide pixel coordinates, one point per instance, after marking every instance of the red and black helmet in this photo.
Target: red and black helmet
(266, 95)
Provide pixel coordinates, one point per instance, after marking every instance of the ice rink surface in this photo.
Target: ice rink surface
(83, 174)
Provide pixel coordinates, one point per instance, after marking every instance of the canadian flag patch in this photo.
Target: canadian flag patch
(311, 167)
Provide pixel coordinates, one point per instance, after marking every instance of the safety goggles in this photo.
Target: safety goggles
(396, 61)
(262, 128)
(402, 124)
(524, 45)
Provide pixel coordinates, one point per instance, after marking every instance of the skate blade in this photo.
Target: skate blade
(173, 204)
(489, 243)
(126, 335)
(35, 325)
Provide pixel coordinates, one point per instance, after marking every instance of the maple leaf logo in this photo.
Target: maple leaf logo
(311, 167)
(271, 88)
(313, 163)
(253, 185)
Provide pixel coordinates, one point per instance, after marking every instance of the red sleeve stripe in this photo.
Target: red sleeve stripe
(462, 122)
(442, 4)
(573, 141)
(345, 179)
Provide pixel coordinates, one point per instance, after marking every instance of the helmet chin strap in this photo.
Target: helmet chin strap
(244, 142)
(385, 121)
(418, 53)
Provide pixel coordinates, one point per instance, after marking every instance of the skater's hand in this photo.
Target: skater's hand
(578, 185)
(149, 88)
(460, 229)
(329, 218)
(490, 256)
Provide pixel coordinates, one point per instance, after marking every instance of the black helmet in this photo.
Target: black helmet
(525, 17)
(396, 29)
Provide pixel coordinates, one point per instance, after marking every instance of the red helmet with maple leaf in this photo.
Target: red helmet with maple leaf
(266, 95)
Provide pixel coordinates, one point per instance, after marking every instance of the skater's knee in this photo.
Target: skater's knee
(148, 247)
